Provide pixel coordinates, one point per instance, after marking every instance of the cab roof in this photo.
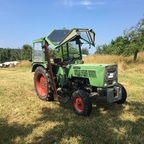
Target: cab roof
(58, 37)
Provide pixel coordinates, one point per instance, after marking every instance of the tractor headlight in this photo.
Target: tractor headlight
(110, 77)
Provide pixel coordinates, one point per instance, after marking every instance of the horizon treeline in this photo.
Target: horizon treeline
(131, 43)
(15, 54)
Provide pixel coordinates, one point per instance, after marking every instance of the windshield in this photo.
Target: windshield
(70, 50)
(87, 37)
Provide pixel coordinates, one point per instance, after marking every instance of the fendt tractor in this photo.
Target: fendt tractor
(65, 77)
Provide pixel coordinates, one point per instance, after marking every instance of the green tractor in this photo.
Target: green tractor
(65, 77)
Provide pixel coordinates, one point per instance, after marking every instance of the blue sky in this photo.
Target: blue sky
(22, 21)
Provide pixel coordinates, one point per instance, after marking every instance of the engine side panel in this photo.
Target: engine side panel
(95, 73)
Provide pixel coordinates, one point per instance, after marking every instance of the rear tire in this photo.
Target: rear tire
(82, 104)
(42, 84)
(124, 95)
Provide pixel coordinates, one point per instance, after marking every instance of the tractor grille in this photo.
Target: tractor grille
(111, 75)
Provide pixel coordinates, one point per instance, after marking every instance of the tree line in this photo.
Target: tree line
(25, 53)
(15, 54)
(130, 44)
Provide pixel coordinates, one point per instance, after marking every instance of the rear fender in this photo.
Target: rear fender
(37, 65)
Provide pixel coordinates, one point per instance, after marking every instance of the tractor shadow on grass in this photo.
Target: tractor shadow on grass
(9, 132)
(104, 125)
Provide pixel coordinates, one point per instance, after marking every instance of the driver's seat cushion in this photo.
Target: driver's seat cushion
(58, 61)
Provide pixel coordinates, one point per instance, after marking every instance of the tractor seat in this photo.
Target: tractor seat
(58, 61)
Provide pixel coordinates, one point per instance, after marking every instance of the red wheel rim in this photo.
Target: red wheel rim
(79, 104)
(41, 84)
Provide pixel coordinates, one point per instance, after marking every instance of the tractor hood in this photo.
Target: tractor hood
(96, 73)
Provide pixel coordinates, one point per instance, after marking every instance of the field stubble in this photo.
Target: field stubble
(26, 119)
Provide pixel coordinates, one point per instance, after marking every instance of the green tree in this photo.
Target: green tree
(15, 54)
(118, 45)
(130, 44)
(85, 51)
(5, 55)
(99, 50)
(103, 49)
(26, 52)
(135, 36)
(52, 53)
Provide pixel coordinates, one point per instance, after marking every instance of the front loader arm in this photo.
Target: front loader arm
(50, 70)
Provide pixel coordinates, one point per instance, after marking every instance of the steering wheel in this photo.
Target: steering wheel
(68, 60)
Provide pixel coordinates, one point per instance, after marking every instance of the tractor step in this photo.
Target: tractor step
(61, 96)
(93, 94)
(63, 99)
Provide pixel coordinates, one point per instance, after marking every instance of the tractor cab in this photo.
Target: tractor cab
(68, 43)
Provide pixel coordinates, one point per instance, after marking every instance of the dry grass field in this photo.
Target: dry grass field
(24, 119)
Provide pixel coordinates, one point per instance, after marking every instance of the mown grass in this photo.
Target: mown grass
(26, 119)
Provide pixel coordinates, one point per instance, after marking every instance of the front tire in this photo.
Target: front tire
(124, 95)
(82, 104)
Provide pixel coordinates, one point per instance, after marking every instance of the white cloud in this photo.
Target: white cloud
(87, 3)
